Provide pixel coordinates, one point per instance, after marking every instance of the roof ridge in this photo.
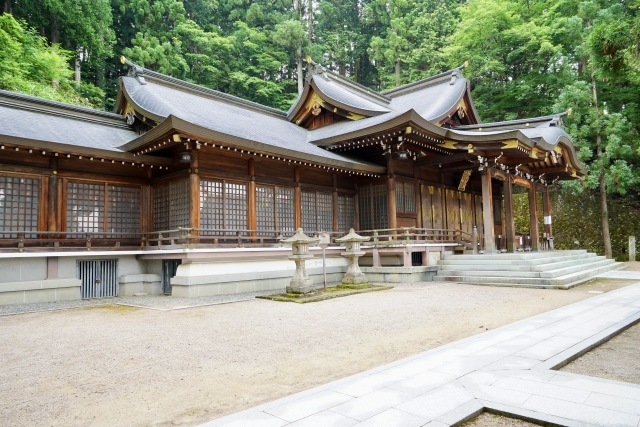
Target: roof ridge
(426, 82)
(62, 109)
(355, 85)
(550, 117)
(138, 71)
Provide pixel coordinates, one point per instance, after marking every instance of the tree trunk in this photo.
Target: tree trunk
(398, 73)
(55, 31)
(78, 65)
(310, 21)
(7, 6)
(300, 77)
(603, 185)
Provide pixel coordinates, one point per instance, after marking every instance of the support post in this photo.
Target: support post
(297, 199)
(546, 207)
(391, 194)
(52, 205)
(510, 224)
(632, 248)
(487, 212)
(533, 218)
(194, 189)
(251, 198)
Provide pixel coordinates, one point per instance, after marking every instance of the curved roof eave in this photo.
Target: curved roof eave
(173, 123)
(467, 92)
(562, 139)
(363, 130)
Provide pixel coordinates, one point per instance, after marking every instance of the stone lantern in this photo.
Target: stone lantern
(301, 283)
(353, 276)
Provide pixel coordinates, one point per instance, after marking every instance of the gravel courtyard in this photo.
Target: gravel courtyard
(125, 366)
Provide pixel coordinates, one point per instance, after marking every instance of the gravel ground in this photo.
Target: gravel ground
(616, 359)
(490, 420)
(116, 365)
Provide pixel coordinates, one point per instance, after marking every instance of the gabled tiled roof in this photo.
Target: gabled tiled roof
(36, 119)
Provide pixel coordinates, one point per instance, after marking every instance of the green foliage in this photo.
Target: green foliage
(29, 65)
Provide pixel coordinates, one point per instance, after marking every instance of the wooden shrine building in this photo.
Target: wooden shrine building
(185, 173)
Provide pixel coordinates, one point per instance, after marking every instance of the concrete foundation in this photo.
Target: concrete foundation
(400, 274)
(140, 283)
(35, 291)
(216, 278)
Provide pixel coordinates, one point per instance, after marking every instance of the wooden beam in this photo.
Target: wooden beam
(252, 219)
(391, 195)
(52, 205)
(441, 160)
(297, 198)
(194, 189)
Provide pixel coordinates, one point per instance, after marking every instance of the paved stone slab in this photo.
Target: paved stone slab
(505, 370)
(372, 404)
(325, 418)
(393, 418)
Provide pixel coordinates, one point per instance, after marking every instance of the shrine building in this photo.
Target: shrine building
(187, 190)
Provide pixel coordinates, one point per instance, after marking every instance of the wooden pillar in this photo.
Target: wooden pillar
(297, 199)
(487, 212)
(52, 205)
(391, 194)
(194, 189)
(509, 220)
(356, 209)
(334, 204)
(533, 217)
(546, 207)
(252, 223)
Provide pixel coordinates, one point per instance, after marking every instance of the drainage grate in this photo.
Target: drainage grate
(99, 278)
(416, 258)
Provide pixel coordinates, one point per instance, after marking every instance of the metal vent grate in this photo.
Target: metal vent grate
(99, 278)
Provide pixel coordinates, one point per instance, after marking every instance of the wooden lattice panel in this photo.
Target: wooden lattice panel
(85, 207)
(123, 212)
(18, 204)
(265, 208)
(285, 209)
(346, 213)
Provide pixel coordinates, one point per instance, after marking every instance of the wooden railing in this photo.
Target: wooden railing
(190, 238)
(414, 235)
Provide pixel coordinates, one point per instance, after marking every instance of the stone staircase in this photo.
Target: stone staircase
(552, 269)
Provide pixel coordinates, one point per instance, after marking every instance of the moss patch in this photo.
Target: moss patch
(329, 293)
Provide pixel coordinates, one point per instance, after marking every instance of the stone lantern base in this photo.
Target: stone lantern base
(300, 283)
(354, 276)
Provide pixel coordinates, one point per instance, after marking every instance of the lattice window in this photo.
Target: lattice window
(366, 213)
(265, 208)
(211, 204)
(85, 207)
(179, 200)
(171, 206)
(409, 197)
(399, 196)
(235, 206)
(308, 210)
(161, 208)
(123, 212)
(19, 204)
(346, 213)
(223, 205)
(317, 211)
(285, 209)
(379, 202)
(405, 197)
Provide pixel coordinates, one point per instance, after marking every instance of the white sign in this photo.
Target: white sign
(325, 239)
(547, 220)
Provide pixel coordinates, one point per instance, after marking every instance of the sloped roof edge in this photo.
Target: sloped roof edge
(138, 71)
(173, 123)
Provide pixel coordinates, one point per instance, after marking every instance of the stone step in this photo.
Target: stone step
(574, 279)
(489, 273)
(567, 263)
(575, 268)
(516, 256)
(549, 264)
(481, 260)
(563, 282)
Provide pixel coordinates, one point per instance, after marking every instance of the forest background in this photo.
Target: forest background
(526, 58)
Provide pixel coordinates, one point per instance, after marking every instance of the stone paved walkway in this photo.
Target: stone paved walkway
(507, 370)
